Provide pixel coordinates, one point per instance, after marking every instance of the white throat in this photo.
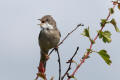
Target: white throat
(47, 26)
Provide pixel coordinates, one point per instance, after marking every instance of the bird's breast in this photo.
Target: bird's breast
(49, 38)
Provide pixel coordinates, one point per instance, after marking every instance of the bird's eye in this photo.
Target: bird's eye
(42, 21)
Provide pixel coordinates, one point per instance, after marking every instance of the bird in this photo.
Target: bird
(49, 38)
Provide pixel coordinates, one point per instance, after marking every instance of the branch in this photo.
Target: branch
(59, 63)
(51, 51)
(70, 33)
(70, 62)
(66, 37)
(91, 45)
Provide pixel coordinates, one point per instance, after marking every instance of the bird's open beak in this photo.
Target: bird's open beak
(40, 23)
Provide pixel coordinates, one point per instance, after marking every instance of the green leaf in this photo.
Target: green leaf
(105, 36)
(113, 22)
(105, 56)
(103, 22)
(119, 6)
(100, 34)
(86, 32)
(111, 10)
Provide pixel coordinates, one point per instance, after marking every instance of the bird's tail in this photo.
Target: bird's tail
(43, 59)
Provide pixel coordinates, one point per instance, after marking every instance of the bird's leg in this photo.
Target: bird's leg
(41, 68)
(41, 71)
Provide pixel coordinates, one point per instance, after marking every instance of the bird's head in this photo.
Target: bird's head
(47, 22)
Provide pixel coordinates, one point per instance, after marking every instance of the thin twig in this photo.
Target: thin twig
(70, 62)
(70, 33)
(66, 37)
(51, 51)
(59, 63)
(91, 45)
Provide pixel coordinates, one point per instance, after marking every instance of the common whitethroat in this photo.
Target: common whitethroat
(49, 37)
